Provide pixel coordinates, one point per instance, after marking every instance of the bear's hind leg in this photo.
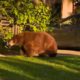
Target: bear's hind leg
(52, 51)
(51, 54)
(43, 55)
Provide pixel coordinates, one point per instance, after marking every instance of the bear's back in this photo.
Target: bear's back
(39, 38)
(33, 35)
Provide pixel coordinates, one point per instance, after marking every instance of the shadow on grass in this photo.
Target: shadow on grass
(69, 62)
(37, 69)
(8, 75)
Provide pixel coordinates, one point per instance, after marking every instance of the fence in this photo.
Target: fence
(14, 29)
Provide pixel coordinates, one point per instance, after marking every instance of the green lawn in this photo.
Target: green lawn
(23, 68)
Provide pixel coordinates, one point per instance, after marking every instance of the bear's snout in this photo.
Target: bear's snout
(10, 44)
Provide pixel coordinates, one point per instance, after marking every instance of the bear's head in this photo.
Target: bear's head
(14, 41)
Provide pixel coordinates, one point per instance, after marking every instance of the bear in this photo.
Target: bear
(35, 43)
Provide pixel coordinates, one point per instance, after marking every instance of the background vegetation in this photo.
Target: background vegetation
(24, 12)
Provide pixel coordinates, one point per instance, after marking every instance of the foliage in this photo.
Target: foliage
(55, 14)
(5, 33)
(25, 12)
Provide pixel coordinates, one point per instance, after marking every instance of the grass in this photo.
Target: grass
(23, 68)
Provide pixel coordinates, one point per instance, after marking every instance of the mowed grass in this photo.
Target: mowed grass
(23, 68)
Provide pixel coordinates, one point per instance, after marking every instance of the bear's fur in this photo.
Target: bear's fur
(35, 43)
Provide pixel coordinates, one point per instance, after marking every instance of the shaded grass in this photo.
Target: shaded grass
(23, 68)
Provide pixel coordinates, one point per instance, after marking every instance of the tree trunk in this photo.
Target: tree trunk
(67, 8)
(36, 2)
(47, 2)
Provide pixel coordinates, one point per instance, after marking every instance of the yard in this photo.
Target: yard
(23, 68)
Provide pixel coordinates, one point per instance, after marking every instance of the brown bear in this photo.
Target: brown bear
(35, 43)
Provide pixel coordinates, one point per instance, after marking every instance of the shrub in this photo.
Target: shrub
(5, 33)
(26, 13)
(23, 13)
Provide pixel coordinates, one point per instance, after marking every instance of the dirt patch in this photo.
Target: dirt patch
(68, 52)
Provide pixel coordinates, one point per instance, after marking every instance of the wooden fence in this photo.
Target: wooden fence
(14, 29)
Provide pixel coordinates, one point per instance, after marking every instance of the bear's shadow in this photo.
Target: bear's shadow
(10, 51)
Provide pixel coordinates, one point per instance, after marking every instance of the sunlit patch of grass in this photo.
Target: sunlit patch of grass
(23, 68)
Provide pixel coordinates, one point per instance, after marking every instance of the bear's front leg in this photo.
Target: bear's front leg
(32, 54)
(29, 50)
(21, 52)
